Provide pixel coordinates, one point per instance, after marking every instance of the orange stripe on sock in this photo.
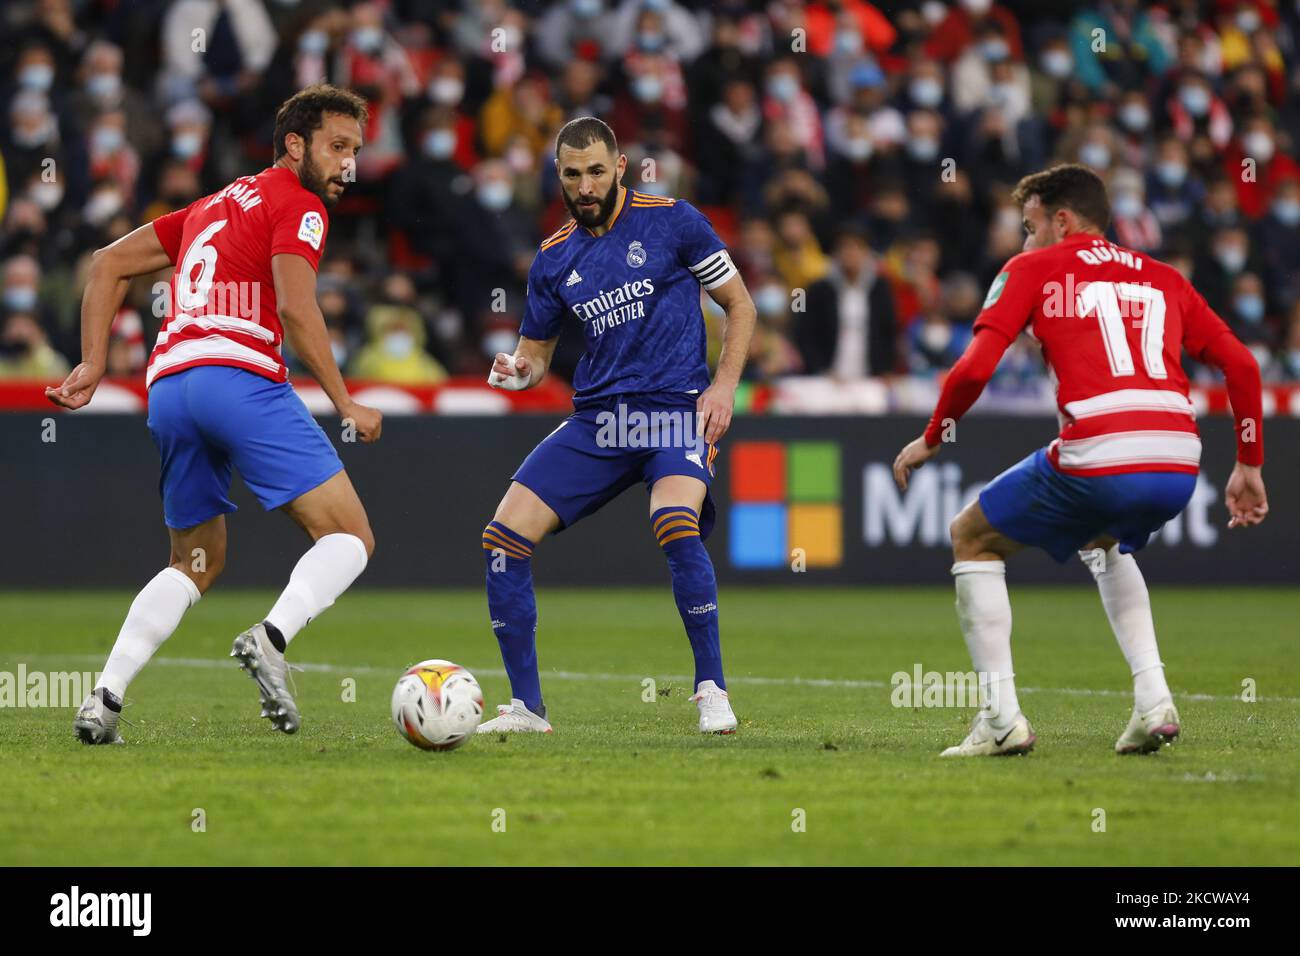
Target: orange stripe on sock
(490, 542)
(674, 515)
(680, 534)
(679, 523)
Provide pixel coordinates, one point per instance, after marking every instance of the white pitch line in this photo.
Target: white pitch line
(204, 662)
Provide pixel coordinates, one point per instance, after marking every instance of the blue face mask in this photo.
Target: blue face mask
(439, 143)
(1195, 99)
(107, 139)
(314, 42)
(104, 86)
(1287, 212)
(495, 196)
(1171, 174)
(926, 91)
(650, 42)
(1249, 308)
(783, 87)
(648, 89)
(38, 76)
(20, 299)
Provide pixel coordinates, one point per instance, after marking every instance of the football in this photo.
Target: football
(437, 705)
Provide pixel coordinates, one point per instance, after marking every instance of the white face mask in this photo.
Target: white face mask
(103, 206)
(104, 86)
(1095, 155)
(495, 195)
(446, 90)
(399, 344)
(1127, 205)
(936, 336)
(47, 195)
(926, 90)
(1258, 146)
(502, 341)
(1058, 63)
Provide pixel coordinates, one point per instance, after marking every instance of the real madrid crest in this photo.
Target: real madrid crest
(636, 255)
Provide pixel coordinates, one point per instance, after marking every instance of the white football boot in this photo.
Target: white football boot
(1146, 733)
(96, 722)
(262, 662)
(715, 709)
(514, 718)
(984, 741)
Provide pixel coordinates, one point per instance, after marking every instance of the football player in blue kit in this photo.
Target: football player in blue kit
(629, 267)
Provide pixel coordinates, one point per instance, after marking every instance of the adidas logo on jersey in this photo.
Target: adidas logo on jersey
(574, 278)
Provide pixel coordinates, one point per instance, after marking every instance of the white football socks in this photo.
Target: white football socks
(984, 611)
(1128, 607)
(155, 613)
(319, 577)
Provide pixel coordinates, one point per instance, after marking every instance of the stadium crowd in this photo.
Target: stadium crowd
(857, 157)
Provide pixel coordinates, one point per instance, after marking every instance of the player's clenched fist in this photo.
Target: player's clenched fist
(1245, 496)
(510, 372)
(369, 422)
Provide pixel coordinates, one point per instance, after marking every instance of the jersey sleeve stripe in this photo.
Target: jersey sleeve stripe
(714, 270)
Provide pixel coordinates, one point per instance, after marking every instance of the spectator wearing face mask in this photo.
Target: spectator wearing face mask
(785, 100)
(240, 43)
(496, 242)
(1173, 192)
(1248, 315)
(21, 291)
(653, 99)
(1255, 152)
(848, 328)
(394, 351)
(112, 159)
(101, 88)
(987, 74)
(1194, 108)
(959, 28)
(29, 139)
(661, 26)
(1279, 241)
(1135, 226)
(25, 351)
(428, 185)
(1227, 258)
(445, 93)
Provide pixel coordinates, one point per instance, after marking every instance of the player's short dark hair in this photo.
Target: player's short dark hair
(304, 112)
(1067, 186)
(582, 132)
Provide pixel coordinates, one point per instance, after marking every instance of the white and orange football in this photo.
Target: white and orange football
(437, 705)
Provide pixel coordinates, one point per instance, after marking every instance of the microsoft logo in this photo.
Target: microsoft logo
(785, 495)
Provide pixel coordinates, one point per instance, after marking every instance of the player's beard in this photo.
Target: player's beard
(590, 216)
(314, 179)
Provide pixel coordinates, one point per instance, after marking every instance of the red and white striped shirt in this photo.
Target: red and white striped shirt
(222, 302)
(1113, 324)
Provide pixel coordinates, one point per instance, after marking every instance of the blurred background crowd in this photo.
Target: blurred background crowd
(860, 177)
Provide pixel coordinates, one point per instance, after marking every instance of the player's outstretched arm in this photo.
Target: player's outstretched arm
(137, 253)
(304, 328)
(714, 408)
(526, 368)
(964, 384)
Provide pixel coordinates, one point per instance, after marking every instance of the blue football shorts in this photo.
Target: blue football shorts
(1035, 505)
(599, 452)
(212, 418)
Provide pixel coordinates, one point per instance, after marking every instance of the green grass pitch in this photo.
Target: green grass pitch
(624, 781)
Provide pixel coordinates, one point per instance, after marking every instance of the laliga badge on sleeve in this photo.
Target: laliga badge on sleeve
(311, 229)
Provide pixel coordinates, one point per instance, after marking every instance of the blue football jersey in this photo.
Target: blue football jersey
(636, 291)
